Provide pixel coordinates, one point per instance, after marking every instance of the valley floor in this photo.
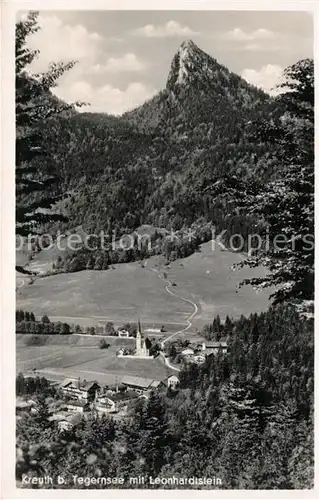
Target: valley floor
(80, 357)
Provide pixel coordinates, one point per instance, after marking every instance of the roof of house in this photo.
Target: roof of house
(123, 396)
(120, 396)
(56, 417)
(216, 345)
(172, 376)
(88, 385)
(68, 381)
(211, 350)
(75, 419)
(201, 356)
(83, 385)
(156, 383)
(187, 351)
(53, 383)
(141, 382)
(20, 405)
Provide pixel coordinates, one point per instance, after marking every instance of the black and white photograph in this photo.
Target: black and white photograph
(164, 249)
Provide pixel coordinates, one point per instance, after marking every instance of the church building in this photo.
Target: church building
(141, 349)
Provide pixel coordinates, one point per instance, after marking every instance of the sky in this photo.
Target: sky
(124, 57)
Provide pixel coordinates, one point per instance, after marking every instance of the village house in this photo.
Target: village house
(187, 352)
(113, 402)
(202, 351)
(144, 386)
(67, 424)
(76, 406)
(23, 406)
(122, 332)
(199, 358)
(214, 348)
(66, 421)
(172, 381)
(104, 404)
(82, 391)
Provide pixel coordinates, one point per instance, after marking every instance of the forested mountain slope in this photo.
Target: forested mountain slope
(151, 165)
(159, 164)
(143, 167)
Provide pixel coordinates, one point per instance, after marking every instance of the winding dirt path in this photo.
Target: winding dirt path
(190, 317)
(168, 364)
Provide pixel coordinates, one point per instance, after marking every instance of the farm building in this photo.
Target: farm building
(140, 384)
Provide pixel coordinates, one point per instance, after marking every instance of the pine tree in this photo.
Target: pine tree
(286, 204)
(35, 105)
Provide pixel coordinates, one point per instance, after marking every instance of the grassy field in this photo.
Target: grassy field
(207, 279)
(205, 287)
(76, 356)
(124, 294)
(130, 291)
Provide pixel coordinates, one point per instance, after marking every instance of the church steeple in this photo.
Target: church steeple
(138, 337)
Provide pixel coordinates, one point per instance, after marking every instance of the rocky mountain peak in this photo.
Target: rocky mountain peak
(189, 63)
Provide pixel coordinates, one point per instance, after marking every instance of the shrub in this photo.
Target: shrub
(103, 344)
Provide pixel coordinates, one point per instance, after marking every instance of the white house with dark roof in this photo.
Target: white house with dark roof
(172, 381)
(82, 391)
(66, 421)
(69, 422)
(112, 402)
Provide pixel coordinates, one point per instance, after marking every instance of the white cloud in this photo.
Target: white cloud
(238, 35)
(106, 98)
(266, 78)
(127, 62)
(60, 42)
(170, 29)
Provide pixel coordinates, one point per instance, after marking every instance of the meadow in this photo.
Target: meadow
(75, 356)
(130, 291)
